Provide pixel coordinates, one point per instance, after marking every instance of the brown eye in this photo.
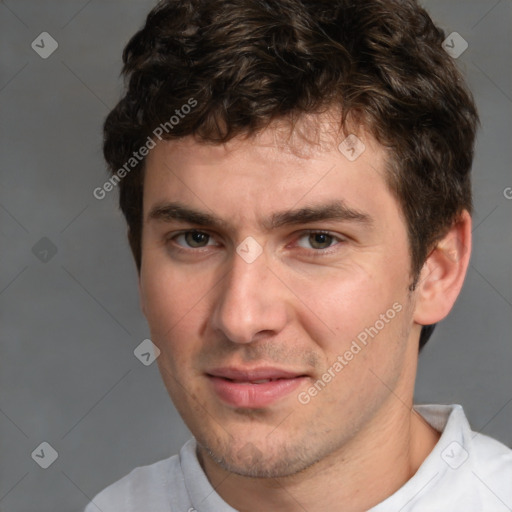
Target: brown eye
(196, 238)
(193, 239)
(320, 240)
(320, 243)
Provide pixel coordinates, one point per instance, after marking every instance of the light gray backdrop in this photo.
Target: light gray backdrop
(68, 299)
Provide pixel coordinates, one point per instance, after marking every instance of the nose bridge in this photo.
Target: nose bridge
(249, 300)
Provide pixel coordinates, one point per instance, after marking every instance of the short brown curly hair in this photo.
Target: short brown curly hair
(250, 62)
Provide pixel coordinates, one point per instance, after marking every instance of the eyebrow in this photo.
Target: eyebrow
(335, 210)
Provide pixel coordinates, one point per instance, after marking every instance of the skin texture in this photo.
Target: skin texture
(357, 440)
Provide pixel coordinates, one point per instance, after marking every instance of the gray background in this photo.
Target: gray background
(70, 320)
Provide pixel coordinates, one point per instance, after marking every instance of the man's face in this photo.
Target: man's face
(288, 304)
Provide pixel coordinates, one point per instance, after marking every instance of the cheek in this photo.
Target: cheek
(174, 307)
(347, 301)
(170, 295)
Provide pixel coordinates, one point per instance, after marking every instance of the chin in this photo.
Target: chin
(249, 460)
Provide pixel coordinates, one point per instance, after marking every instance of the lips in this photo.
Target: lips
(254, 388)
(263, 373)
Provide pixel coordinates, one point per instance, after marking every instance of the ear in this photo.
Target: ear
(443, 273)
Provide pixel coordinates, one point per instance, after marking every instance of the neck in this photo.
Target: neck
(354, 478)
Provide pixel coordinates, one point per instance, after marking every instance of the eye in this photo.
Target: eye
(318, 240)
(193, 239)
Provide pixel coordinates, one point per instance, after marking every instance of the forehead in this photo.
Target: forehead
(271, 171)
(309, 137)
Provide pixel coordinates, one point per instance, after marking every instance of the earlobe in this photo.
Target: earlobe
(443, 273)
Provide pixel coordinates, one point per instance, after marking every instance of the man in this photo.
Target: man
(295, 178)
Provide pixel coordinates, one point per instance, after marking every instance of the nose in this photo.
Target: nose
(251, 301)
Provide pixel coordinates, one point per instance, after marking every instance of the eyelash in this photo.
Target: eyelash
(312, 252)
